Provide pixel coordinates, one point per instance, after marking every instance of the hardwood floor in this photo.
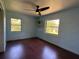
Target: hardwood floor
(35, 49)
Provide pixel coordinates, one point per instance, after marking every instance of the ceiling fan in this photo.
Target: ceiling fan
(40, 9)
(36, 7)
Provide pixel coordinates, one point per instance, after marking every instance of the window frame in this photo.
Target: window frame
(17, 25)
(57, 28)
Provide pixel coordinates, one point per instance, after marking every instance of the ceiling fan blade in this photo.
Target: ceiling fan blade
(29, 9)
(45, 8)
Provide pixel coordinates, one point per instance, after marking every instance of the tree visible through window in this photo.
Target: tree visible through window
(15, 24)
(52, 26)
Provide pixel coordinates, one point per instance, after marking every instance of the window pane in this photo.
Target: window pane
(15, 24)
(52, 26)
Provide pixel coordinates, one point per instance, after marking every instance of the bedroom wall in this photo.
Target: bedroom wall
(28, 26)
(68, 37)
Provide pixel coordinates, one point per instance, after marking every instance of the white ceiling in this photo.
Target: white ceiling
(25, 6)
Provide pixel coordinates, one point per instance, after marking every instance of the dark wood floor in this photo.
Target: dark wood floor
(35, 49)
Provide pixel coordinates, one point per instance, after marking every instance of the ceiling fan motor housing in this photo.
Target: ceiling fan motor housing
(37, 10)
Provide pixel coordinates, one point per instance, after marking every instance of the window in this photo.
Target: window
(52, 26)
(15, 24)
